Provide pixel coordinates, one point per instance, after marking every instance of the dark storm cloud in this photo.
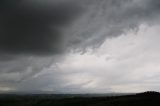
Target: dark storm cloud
(49, 26)
(33, 27)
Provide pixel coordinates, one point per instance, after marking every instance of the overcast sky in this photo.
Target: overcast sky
(79, 46)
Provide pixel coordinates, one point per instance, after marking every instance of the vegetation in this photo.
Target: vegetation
(141, 99)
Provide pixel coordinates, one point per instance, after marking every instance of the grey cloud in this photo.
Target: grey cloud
(108, 18)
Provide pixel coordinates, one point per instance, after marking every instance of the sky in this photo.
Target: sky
(79, 46)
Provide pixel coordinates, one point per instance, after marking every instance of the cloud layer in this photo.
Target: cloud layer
(36, 35)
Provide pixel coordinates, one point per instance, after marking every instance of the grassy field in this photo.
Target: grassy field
(142, 99)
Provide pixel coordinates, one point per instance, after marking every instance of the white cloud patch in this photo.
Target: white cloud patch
(128, 63)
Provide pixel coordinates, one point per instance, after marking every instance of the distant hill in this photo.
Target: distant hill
(149, 98)
(149, 93)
